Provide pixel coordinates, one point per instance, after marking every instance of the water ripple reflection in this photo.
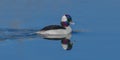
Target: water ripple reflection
(30, 33)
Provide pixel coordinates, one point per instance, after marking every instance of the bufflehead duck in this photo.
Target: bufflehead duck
(64, 28)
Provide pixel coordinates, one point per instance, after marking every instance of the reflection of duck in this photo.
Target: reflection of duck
(57, 29)
(65, 40)
(66, 44)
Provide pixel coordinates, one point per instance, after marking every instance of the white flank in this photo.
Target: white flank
(56, 32)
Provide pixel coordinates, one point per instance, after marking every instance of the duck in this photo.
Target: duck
(62, 29)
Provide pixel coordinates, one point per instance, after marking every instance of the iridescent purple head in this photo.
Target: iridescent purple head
(66, 20)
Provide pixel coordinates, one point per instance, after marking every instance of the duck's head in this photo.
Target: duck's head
(66, 44)
(66, 20)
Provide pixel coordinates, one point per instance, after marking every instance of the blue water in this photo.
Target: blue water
(98, 19)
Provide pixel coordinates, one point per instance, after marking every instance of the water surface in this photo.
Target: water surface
(100, 19)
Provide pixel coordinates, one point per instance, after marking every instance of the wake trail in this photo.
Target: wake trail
(17, 33)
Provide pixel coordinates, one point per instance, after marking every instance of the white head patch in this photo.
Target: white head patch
(64, 18)
(65, 46)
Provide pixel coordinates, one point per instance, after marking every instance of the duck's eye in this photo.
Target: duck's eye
(69, 19)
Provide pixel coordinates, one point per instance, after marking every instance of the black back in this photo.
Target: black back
(52, 27)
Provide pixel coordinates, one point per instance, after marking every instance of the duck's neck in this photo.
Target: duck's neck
(68, 29)
(67, 26)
